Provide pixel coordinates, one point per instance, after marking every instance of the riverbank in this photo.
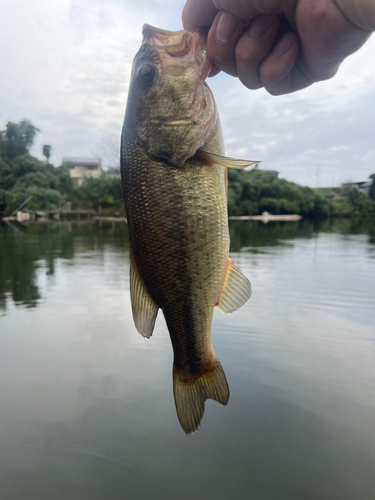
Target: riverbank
(267, 217)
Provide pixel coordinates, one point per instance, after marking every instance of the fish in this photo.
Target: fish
(174, 185)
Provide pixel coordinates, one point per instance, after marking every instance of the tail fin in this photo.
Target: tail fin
(192, 390)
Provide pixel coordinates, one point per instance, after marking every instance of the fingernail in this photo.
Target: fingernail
(283, 46)
(226, 26)
(259, 26)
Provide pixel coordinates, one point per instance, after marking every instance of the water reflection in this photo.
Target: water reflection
(251, 234)
(27, 249)
(87, 406)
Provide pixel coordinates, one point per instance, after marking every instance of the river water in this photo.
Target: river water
(86, 403)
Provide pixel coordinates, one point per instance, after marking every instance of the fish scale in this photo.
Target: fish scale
(179, 241)
(174, 189)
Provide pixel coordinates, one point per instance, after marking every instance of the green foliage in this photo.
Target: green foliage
(47, 151)
(249, 192)
(355, 198)
(104, 192)
(42, 198)
(17, 139)
(253, 192)
(372, 187)
(22, 175)
(7, 177)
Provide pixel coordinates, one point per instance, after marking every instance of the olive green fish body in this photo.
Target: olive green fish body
(179, 239)
(174, 189)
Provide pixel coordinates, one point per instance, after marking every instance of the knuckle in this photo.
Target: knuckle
(319, 11)
(319, 15)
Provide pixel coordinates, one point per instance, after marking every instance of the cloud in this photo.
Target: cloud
(328, 127)
(340, 147)
(68, 66)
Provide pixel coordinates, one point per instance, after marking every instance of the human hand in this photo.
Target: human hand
(281, 45)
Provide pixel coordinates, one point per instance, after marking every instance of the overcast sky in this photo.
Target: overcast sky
(65, 65)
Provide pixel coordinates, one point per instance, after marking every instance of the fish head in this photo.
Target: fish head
(173, 110)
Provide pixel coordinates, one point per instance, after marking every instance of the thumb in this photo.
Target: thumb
(359, 12)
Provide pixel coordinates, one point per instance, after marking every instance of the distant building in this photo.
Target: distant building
(270, 172)
(264, 171)
(112, 172)
(84, 168)
(362, 186)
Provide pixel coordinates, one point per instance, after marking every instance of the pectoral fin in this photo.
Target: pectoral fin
(226, 181)
(224, 161)
(144, 308)
(236, 289)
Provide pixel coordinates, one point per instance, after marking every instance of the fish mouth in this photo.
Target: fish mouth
(172, 132)
(148, 28)
(184, 45)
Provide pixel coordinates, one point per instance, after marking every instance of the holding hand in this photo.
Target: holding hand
(282, 45)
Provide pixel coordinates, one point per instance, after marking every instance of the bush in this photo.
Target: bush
(104, 192)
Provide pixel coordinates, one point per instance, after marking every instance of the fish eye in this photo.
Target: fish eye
(145, 76)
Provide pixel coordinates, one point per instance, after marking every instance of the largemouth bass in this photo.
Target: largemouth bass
(174, 187)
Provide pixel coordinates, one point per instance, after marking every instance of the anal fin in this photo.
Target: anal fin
(236, 289)
(144, 307)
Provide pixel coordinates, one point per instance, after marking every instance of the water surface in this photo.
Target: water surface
(87, 409)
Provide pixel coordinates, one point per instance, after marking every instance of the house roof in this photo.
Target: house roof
(91, 163)
(269, 172)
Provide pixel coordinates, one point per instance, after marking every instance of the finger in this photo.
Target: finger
(214, 70)
(276, 70)
(250, 8)
(222, 39)
(253, 47)
(197, 14)
(361, 13)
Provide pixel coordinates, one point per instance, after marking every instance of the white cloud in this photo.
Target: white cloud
(66, 66)
(341, 147)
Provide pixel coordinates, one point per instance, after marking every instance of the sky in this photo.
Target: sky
(65, 65)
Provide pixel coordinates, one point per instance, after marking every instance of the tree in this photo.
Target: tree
(355, 197)
(47, 151)
(372, 187)
(17, 139)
